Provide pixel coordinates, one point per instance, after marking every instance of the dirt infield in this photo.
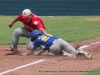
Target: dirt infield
(93, 19)
(50, 64)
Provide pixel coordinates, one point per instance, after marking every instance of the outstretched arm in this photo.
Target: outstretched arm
(43, 31)
(15, 20)
(30, 52)
(27, 54)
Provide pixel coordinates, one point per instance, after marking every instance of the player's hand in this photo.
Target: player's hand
(10, 25)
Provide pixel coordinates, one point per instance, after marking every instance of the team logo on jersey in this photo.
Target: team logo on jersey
(35, 23)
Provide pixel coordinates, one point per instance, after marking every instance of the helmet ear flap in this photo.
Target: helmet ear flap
(32, 40)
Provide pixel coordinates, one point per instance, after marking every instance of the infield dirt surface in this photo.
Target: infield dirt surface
(52, 65)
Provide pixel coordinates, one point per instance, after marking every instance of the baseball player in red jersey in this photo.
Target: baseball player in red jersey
(30, 22)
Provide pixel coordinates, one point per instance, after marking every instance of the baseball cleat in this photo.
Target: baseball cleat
(68, 54)
(87, 55)
(11, 52)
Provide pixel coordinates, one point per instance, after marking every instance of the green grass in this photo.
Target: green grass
(73, 28)
(70, 28)
(94, 72)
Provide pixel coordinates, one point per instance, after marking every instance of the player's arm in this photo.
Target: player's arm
(14, 21)
(40, 26)
(28, 53)
(43, 31)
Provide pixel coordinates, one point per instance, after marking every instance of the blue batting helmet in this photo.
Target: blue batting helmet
(34, 34)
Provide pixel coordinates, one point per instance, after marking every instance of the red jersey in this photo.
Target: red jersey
(35, 23)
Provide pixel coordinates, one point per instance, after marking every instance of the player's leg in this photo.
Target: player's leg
(62, 46)
(55, 49)
(29, 44)
(19, 32)
(67, 47)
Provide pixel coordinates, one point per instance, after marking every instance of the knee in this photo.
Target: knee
(16, 31)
